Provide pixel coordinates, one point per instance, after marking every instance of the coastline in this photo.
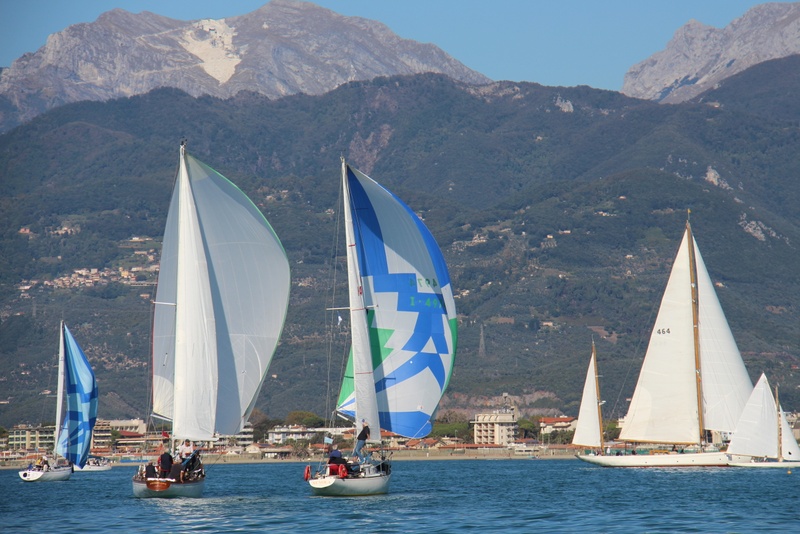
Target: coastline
(427, 455)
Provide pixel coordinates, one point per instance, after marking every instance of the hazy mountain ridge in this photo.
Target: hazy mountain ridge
(285, 47)
(699, 57)
(559, 211)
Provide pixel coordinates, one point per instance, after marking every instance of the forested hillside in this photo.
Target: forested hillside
(559, 211)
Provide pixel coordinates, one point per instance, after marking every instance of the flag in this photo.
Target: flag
(327, 440)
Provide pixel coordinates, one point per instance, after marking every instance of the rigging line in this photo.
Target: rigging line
(636, 360)
(332, 292)
(151, 367)
(49, 386)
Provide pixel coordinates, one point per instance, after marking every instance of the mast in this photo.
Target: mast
(780, 425)
(696, 330)
(60, 398)
(366, 406)
(599, 402)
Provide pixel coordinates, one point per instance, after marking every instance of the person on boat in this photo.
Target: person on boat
(335, 456)
(165, 464)
(45, 464)
(150, 470)
(186, 450)
(192, 466)
(361, 440)
(176, 472)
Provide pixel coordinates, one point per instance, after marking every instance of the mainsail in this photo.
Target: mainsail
(223, 292)
(403, 316)
(75, 435)
(589, 432)
(691, 362)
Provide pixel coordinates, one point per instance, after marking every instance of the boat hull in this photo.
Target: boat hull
(698, 459)
(333, 486)
(765, 464)
(57, 473)
(87, 468)
(165, 488)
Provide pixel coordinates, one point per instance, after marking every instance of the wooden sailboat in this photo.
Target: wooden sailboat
(763, 435)
(589, 432)
(76, 385)
(693, 380)
(223, 292)
(403, 328)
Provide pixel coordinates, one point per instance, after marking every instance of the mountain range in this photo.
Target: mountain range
(559, 211)
(699, 57)
(289, 46)
(285, 47)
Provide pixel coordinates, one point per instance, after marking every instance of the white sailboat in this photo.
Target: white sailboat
(589, 432)
(94, 465)
(223, 292)
(763, 434)
(693, 380)
(76, 384)
(403, 327)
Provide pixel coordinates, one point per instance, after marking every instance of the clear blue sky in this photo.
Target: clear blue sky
(552, 42)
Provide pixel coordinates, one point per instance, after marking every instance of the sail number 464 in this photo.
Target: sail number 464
(662, 331)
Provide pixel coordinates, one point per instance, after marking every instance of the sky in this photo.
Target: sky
(551, 42)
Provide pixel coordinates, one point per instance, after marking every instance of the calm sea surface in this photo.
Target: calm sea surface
(426, 496)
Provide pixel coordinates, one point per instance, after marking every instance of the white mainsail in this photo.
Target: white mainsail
(590, 421)
(223, 291)
(678, 367)
(762, 430)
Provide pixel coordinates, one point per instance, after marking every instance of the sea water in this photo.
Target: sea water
(425, 496)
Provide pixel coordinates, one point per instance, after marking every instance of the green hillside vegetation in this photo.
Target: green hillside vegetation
(558, 227)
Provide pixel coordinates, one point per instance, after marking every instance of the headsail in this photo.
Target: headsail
(403, 287)
(75, 436)
(664, 408)
(223, 292)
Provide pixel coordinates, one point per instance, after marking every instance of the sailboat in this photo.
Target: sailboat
(221, 302)
(693, 380)
(93, 464)
(589, 432)
(763, 434)
(73, 438)
(403, 327)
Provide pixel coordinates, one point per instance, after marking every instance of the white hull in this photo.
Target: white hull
(87, 467)
(57, 473)
(769, 464)
(699, 459)
(333, 486)
(165, 488)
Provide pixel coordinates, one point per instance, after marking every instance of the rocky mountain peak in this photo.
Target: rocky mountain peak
(284, 47)
(699, 56)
